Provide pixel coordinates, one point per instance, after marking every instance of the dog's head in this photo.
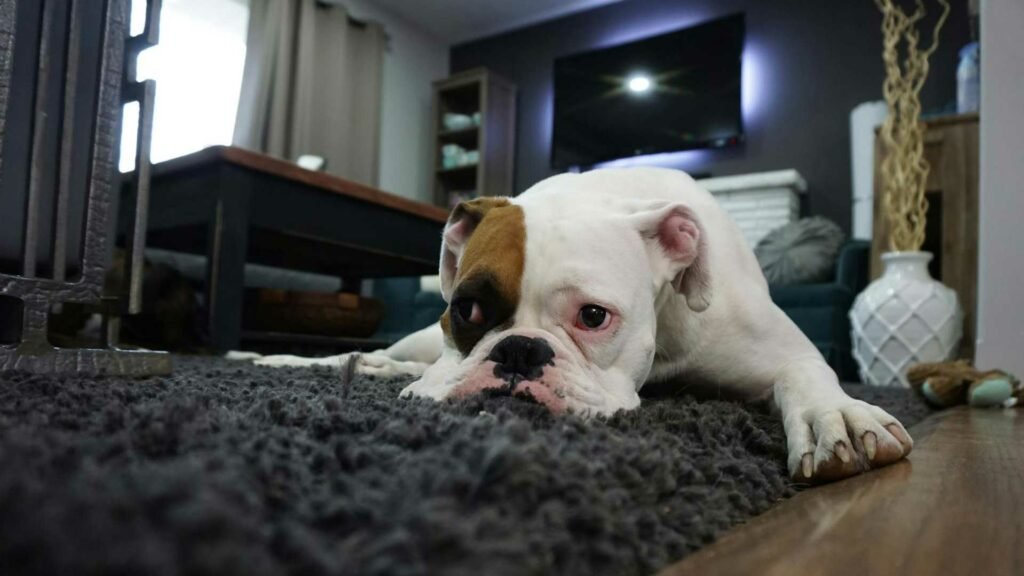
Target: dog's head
(557, 299)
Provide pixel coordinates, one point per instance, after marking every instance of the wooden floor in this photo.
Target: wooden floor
(955, 507)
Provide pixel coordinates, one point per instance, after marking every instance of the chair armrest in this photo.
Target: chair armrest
(852, 265)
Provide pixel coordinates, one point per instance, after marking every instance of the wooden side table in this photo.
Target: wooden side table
(951, 235)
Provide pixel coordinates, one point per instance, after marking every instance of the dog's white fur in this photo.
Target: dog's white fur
(594, 238)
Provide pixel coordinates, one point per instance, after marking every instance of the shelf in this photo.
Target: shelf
(462, 99)
(459, 169)
(457, 178)
(465, 137)
(493, 140)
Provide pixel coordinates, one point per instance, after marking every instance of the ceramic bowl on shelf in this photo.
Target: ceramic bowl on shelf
(453, 122)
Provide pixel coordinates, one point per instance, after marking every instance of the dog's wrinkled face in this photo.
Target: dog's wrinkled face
(560, 310)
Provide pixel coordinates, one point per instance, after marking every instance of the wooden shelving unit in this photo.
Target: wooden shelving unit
(476, 91)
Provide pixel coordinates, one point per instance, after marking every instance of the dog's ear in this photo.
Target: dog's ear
(461, 223)
(677, 247)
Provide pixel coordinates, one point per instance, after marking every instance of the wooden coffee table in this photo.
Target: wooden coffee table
(237, 206)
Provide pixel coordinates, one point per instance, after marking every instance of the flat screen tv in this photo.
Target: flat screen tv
(675, 91)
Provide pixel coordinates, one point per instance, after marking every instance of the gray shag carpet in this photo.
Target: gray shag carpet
(225, 468)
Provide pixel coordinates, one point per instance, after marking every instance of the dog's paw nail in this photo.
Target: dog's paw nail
(842, 452)
(807, 465)
(870, 445)
(900, 435)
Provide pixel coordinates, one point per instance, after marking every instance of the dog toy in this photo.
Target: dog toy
(945, 384)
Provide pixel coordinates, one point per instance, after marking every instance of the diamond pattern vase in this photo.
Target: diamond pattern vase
(903, 318)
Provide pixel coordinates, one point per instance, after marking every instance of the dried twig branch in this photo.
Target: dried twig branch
(904, 170)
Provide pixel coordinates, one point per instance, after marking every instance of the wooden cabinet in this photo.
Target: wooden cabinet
(951, 233)
(474, 136)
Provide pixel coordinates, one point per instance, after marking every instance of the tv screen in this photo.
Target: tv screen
(675, 91)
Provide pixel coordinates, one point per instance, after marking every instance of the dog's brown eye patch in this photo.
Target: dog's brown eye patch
(477, 298)
(490, 272)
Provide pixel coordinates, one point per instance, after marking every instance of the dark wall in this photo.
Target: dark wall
(806, 65)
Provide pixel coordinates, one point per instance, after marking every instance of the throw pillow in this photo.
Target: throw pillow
(801, 252)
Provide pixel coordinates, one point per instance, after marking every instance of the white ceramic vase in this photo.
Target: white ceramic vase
(903, 318)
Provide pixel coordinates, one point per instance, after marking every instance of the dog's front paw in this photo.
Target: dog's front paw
(425, 388)
(386, 367)
(833, 440)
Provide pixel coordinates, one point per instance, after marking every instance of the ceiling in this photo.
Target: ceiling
(456, 21)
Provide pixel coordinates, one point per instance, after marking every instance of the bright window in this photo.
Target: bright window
(197, 66)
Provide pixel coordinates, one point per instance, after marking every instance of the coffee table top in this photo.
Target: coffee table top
(291, 171)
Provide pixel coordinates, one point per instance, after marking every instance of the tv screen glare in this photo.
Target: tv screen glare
(671, 92)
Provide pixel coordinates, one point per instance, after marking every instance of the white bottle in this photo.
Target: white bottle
(968, 79)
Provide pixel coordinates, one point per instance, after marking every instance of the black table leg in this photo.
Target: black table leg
(228, 241)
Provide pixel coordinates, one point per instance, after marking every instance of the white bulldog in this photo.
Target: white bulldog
(587, 286)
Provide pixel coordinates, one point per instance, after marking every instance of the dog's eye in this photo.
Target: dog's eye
(593, 317)
(468, 310)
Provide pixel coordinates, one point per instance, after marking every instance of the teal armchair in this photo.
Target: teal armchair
(822, 310)
(406, 307)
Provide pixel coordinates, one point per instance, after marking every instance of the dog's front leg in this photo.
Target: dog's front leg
(828, 434)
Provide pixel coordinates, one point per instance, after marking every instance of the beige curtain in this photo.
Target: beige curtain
(312, 85)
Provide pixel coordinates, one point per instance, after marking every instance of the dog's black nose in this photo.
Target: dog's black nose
(518, 358)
